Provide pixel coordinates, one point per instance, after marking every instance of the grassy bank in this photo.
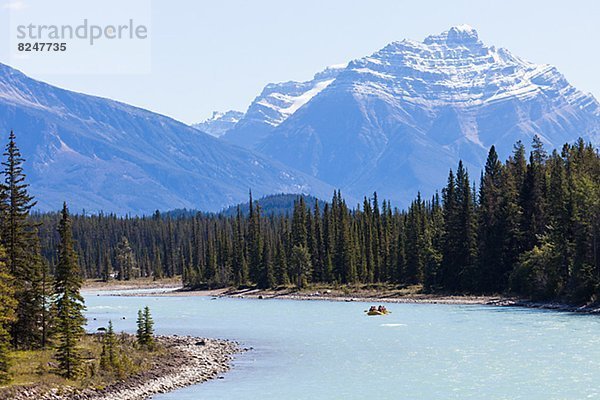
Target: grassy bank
(380, 292)
(38, 368)
(179, 361)
(139, 283)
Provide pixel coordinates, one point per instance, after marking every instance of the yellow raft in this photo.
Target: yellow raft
(375, 312)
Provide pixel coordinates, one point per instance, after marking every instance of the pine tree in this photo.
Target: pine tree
(400, 268)
(451, 237)
(69, 302)
(328, 243)
(145, 328)
(22, 252)
(281, 270)
(300, 261)
(560, 216)
(107, 268)
(534, 196)
(239, 266)
(139, 333)
(511, 209)
(255, 243)
(299, 231)
(433, 256)
(269, 278)
(108, 358)
(318, 254)
(375, 239)
(344, 251)
(126, 263)
(490, 221)
(148, 328)
(467, 246)
(415, 251)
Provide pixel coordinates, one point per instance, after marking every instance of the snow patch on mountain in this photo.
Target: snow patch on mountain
(276, 103)
(219, 123)
(299, 101)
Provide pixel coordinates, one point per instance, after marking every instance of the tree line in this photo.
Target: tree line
(529, 225)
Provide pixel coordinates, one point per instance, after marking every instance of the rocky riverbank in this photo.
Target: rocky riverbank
(353, 294)
(499, 301)
(187, 361)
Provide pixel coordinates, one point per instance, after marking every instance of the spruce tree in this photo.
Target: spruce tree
(467, 246)
(450, 268)
(560, 217)
(345, 251)
(108, 358)
(490, 222)
(281, 270)
(255, 242)
(534, 196)
(22, 252)
(400, 267)
(148, 328)
(126, 263)
(139, 333)
(107, 268)
(299, 231)
(239, 264)
(268, 280)
(511, 209)
(317, 245)
(68, 301)
(300, 261)
(415, 252)
(433, 256)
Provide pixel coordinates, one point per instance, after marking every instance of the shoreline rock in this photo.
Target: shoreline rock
(189, 361)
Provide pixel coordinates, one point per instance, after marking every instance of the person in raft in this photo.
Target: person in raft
(381, 309)
(373, 308)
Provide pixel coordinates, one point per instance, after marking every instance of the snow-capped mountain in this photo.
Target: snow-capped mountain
(99, 154)
(396, 121)
(219, 123)
(275, 104)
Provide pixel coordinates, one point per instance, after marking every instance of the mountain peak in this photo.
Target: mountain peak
(456, 35)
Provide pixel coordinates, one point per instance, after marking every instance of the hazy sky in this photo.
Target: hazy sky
(218, 55)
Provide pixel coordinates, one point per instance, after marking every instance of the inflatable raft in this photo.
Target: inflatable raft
(375, 312)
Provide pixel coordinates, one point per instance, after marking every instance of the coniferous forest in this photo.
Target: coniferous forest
(529, 226)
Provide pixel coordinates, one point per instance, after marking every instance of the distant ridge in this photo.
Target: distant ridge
(277, 204)
(102, 155)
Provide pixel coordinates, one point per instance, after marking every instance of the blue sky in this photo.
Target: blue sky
(218, 55)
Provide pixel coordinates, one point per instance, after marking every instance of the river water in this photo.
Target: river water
(332, 350)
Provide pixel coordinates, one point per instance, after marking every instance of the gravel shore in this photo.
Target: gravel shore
(369, 296)
(189, 361)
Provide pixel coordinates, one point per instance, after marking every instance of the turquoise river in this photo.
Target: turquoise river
(332, 350)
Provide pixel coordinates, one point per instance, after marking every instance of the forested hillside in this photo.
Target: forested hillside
(530, 225)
